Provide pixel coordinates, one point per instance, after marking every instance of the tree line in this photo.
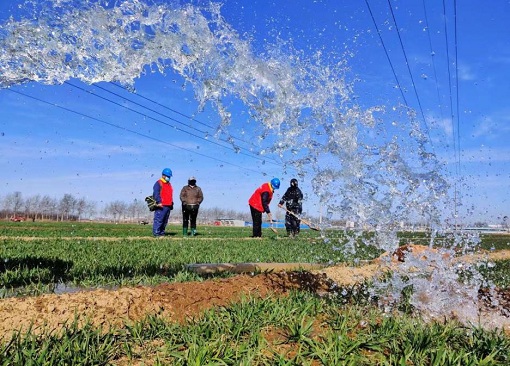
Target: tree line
(72, 208)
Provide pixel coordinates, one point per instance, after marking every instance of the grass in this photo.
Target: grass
(36, 256)
(48, 254)
(301, 329)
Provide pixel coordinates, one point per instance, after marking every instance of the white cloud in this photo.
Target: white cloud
(443, 125)
(486, 155)
(28, 147)
(482, 155)
(466, 73)
(484, 128)
(493, 126)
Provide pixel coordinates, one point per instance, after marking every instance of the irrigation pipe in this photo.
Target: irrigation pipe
(211, 268)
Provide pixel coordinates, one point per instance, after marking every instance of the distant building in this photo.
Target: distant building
(229, 222)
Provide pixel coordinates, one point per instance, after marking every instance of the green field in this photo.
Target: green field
(37, 256)
(302, 329)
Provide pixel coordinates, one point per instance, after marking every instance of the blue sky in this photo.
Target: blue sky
(99, 141)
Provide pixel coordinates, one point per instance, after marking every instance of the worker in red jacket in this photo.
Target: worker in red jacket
(163, 192)
(259, 203)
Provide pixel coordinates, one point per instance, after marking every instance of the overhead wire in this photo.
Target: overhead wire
(191, 118)
(455, 130)
(455, 126)
(457, 80)
(132, 131)
(410, 73)
(457, 98)
(449, 78)
(162, 122)
(167, 108)
(143, 106)
(387, 54)
(164, 106)
(432, 54)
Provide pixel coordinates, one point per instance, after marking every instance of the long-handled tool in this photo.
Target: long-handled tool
(272, 228)
(307, 223)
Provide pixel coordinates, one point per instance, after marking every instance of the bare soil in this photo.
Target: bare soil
(180, 301)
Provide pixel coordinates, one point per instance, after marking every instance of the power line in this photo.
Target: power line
(162, 122)
(432, 54)
(140, 105)
(132, 131)
(409, 71)
(457, 93)
(455, 146)
(164, 106)
(457, 77)
(449, 76)
(170, 109)
(386, 53)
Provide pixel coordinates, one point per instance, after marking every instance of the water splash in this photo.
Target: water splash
(364, 169)
(442, 285)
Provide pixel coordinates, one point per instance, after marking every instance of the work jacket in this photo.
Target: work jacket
(293, 198)
(191, 195)
(261, 198)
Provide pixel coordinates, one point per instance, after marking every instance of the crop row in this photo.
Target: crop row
(36, 257)
(301, 329)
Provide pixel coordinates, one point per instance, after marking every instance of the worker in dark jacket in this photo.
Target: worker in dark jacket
(292, 198)
(191, 197)
(162, 192)
(259, 203)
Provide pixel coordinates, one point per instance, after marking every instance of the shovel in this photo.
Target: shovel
(272, 228)
(307, 223)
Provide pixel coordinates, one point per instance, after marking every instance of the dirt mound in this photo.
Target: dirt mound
(176, 301)
(179, 301)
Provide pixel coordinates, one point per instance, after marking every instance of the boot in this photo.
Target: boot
(184, 231)
(193, 232)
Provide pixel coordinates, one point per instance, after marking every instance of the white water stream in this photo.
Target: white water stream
(364, 168)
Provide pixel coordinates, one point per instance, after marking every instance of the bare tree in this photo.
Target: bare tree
(13, 203)
(83, 207)
(69, 207)
(91, 208)
(116, 209)
(66, 206)
(137, 209)
(32, 206)
(5, 207)
(214, 213)
(47, 207)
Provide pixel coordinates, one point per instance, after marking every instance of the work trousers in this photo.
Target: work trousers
(256, 217)
(189, 216)
(161, 216)
(292, 223)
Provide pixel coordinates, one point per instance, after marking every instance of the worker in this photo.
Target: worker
(292, 198)
(191, 197)
(259, 203)
(162, 192)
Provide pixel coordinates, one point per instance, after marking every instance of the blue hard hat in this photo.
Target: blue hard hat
(167, 172)
(275, 183)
